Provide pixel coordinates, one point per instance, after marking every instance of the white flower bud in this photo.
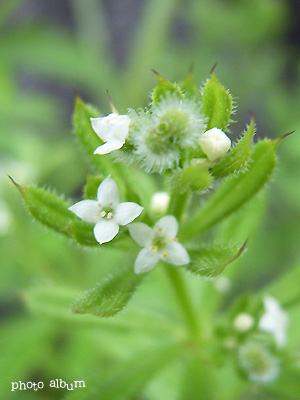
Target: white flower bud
(222, 284)
(243, 322)
(160, 202)
(214, 143)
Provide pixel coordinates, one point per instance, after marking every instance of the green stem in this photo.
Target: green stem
(177, 207)
(184, 301)
(177, 204)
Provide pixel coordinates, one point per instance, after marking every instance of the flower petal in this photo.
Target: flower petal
(141, 233)
(86, 210)
(108, 193)
(127, 212)
(111, 145)
(167, 226)
(105, 230)
(145, 261)
(174, 253)
(112, 126)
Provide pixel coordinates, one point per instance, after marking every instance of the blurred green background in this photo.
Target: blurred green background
(48, 48)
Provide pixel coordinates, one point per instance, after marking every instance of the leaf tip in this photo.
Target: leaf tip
(19, 187)
(213, 68)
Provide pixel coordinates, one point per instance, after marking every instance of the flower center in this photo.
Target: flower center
(159, 242)
(106, 212)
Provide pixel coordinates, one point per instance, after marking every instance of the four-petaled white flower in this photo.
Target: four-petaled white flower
(214, 143)
(159, 242)
(106, 212)
(113, 130)
(274, 321)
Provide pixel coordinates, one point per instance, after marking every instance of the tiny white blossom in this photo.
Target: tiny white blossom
(222, 284)
(113, 130)
(258, 363)
(243, 322)
(106, 212)
(274, 321)
(159, 242)
(214, 143)
(160, 202)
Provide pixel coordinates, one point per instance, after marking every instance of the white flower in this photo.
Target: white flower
(258, 363)
(243, 322)
(106, 212)
(214, 143)
(160, 202)
(274, 321)
(160, 243)
(113, 130)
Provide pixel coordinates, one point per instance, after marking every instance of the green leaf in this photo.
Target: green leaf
(164, 88)
(47, 207)
(54, 302)
(210, 261)
(89, 141)
(195, 177)
(82, 233)
(236, 190)
(111, 296)
(237, 158)
(188, 86)
(128, 378)
(217, 104)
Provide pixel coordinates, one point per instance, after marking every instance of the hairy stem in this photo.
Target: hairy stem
(184, 300)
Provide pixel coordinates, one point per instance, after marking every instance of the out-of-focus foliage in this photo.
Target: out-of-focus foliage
(42, 59)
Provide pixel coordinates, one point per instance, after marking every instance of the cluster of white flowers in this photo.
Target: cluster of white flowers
(107, 213)
(254, 357)
(258, 363)
(158, 138)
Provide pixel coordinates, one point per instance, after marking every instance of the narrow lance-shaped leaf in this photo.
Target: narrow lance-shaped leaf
(216, 104)
(188, 86)
(210, 261)
(236, 160)
(82, 233)
(236, 190)
(47, 207)
(163, 88)
(54, 302)
(111, 296)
